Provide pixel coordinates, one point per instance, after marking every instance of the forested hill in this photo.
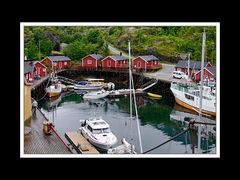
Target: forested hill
(166, 43)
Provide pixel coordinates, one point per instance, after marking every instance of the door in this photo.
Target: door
(139, 64)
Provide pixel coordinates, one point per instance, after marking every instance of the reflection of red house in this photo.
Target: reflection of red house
(209, 73)
(146, 63)
(115, 62)
(194, 67)
(92, 61)
(57, 62)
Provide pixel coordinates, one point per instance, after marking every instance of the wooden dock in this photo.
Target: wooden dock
(36, 142)
(80, 144)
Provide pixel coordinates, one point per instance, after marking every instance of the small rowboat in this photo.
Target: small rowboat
(154, 95)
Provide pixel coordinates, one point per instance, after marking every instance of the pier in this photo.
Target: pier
(80, 144)
(36, 142)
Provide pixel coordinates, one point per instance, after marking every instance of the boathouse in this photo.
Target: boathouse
(194, 67)
(209, 73)
(29, 70)
(57, 62)
(115, 62)
(146, 62)
(41, 69)
(92, 61)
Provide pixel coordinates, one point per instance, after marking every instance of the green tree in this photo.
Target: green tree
(31, 50)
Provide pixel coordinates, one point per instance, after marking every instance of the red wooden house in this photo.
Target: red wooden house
(148, 62)
(115, 62)
(41, 69)
(92, 61)
(209, 73)
(57, 62)
(29, 70)
(194, 67)
(34, 68)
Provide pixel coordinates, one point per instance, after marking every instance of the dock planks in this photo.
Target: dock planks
(80, 144)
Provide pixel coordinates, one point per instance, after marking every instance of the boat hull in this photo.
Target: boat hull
(53, 94)
(154, 95)
(178, 101)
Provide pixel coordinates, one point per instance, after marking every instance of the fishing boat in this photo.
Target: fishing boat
(54, 89)
(189, 94)
(98, 132)
(96, 94)
(154, 95)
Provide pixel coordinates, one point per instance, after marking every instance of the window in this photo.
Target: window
(89, 62)
(65, 63)
(139, 64)
(109, 63)
(189, 97)
(44, 69)
(89, 128)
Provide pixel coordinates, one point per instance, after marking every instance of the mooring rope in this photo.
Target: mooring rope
(166, 141)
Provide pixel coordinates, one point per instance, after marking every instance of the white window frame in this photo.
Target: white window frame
(89, 61)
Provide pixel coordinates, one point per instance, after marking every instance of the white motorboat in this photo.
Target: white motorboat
(85, 85)
(98, 132)
(96, 94)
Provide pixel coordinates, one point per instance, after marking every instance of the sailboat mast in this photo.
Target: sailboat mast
(130, 86)
(132, 91)
(202, 70)
(201, 90)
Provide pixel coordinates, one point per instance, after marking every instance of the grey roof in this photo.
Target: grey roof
(28, 66)
(118, 58)
(149, 58)
(212, 69)
(193, 64)
(59, 58)
(97, 56)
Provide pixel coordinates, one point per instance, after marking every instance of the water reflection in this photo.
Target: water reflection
(159, 121)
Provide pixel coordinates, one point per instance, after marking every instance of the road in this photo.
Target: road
(116, 51)
(165, 74)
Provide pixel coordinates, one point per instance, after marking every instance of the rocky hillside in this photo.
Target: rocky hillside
(167, 43)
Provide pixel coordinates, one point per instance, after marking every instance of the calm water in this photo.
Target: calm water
(158, 121)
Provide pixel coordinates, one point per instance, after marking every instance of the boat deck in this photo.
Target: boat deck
(80, 144)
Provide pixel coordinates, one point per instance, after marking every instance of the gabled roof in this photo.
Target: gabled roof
(96, 56)
(59, 58)
(39, 63)
(118, 58)
(192, 64)
(212, 69)
(28, 66)
(149, 58)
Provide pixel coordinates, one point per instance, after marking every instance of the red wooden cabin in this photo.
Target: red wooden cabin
(57, 62)
(92, 61)
(148, 62)
(115, 62)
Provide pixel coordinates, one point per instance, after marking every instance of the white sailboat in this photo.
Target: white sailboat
(125, 147)
(188, 94)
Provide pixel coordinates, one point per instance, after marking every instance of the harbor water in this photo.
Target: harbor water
(159, 121)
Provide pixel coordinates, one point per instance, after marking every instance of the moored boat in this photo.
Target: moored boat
(98, 132)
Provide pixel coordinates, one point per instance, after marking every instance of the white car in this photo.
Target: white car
(179, 75)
